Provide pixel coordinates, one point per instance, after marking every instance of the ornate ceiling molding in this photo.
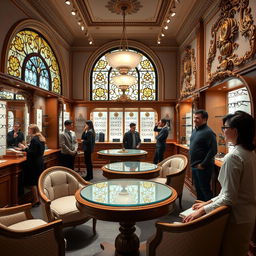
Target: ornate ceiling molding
(115, 6)
(83, 8)
(192, 19)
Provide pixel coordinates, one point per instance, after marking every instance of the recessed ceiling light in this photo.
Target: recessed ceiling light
(162, 35)
(73, 12)
(173, 14)
(166, 27)
(82, 27)
(67, 2)
(168, 20)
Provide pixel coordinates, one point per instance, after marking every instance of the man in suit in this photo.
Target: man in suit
(131, 138)
(163, 130)
(68, 145)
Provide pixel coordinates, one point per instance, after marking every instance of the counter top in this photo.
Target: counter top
(8, 160)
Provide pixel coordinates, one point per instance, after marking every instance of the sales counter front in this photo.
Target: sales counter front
(10, 174)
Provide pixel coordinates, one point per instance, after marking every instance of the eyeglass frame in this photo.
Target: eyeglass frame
(224, 128)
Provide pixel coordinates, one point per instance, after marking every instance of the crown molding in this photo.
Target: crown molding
(41, 11)
(193, 18)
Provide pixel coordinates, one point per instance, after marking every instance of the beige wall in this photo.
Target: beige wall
(9, 14)
(168, 60)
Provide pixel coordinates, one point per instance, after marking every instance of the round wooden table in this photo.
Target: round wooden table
(119, 155)
(125, 201)
(131, 169)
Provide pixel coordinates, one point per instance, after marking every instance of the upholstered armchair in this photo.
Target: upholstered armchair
(173, 170)
(202, 236)
(21, 234)
(57, 186)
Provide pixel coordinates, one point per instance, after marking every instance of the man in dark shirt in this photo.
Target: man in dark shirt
(203, 148)
(131, 138)
(163, 130)
(15, 136)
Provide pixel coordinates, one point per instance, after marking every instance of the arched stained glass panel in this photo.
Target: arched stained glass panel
(145, 87)
(31, 58)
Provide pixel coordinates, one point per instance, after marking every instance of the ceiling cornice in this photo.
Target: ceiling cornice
(165, 6)
(193, 18)
(44, 12)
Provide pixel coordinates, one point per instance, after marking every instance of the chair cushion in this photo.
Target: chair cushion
(27, 224)
(65, 208)
(160, 180)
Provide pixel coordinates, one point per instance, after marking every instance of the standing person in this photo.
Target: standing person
(15, 136)
(131, 138)
(88, 139)
(163, 130)
(68, 145)
(35, 161)
(203, 148)
(238, 185)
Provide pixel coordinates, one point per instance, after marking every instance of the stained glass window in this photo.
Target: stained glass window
(31, 59)
(145, 87)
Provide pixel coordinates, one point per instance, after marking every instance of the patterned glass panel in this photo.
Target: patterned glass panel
(19, 97)
(6, 95)
(29, 44)
(102, 87)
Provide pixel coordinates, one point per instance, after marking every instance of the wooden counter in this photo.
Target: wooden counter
(10, 173)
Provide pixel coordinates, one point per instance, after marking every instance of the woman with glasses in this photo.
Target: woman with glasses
(238, 185)
(35, 162)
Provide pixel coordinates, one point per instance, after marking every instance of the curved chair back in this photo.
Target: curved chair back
(59, 181)
(202, 236)
(21, 234)
(173, 171)
(173, 165)
(57, 187)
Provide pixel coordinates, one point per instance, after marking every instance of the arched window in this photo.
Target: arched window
(31, 59)
(102, 87)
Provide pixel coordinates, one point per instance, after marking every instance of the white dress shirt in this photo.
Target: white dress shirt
(238, 185)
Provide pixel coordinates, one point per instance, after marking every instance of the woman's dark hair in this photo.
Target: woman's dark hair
(245, 125)
(90, 125)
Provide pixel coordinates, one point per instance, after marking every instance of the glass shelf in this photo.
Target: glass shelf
(131, 166)
(120, 152)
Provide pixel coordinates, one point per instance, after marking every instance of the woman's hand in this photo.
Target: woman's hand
(21, 146)
(195, 215)
(197, 206)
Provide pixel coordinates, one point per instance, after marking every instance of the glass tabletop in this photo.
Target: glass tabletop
(130, 166)
(126, 192)
(122, 152)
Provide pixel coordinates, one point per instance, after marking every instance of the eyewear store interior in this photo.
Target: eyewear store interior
(55, 66)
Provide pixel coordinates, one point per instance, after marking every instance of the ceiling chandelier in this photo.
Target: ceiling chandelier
(123, 60)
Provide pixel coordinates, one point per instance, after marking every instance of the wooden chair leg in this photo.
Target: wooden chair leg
(94, 226)
(180, 201)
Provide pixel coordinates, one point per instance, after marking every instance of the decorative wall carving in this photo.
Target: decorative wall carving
(235, 20)
(188, 73)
